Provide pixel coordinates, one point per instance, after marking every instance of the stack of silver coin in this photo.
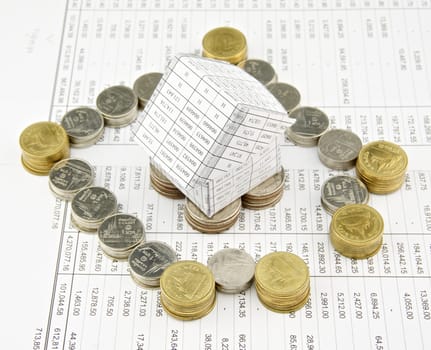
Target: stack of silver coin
(341, 190)
(144, 87)
(338, 149)
(91, 206)
(233, 270)
(310, 124)
(286, 94)
(148, 261)
(118, 105)
(162, 184)
(68, 176)
(260, 70)
(267, 194)
(119, 234)
(219, 222)
(84, 126)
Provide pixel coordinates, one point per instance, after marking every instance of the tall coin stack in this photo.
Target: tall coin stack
(267, 194)
(187, 290)
(226, 44)
(282, 282)
(162, 184)
(43, 144)
(219, 222)
(381, 166)
(356, 231)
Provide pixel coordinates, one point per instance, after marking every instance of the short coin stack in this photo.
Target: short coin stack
(91, 206)
(219, 222)
(381, 166)
(144, 87)
(267, 194)
(342, 190)
(310, 124)
(233, 270)
(356, 231)
(187, 290)
(43, 144)
(226, 44)
(118, 105)
(260, 70)
(339, 148)
(286, 94)
(119, 234)
(84, 126)
(148, 261)
(282, 281)
(68, 176)
(162, 184)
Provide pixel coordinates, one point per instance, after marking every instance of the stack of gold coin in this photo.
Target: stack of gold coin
(226, 44)
(267, 194)
(219, 222)
(282, 282)
(381, 165)
(187, 290)
(356, 231)
(162, 184)
(43, 144)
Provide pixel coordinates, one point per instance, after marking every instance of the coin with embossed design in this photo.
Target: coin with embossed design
(282, 281)
(144, 87)
(260, 70)
(118, 105)
(69, 176)
(119, 234)
(225, 43)
(339, 148)
(286, 94)
(148, 261)
(187, 290)
(356, 231)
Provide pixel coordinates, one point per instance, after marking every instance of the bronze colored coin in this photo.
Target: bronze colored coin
(43, 139)
(383, 159)
(357, 223)
(225, 43)
(281, 273)
(187, 283)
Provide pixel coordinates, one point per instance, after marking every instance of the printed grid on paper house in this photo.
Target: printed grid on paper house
(212, 129)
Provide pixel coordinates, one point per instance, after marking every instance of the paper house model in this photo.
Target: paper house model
(213, 130)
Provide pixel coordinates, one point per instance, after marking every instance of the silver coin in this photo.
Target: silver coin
(338, 149)
(118, 105)
(148, 261)
(120, 233)
(260, 70)
(83, 124)
(68, 176)
(286, 94)
(233, 269)
(310, 124)
(93, 204)
(145, 85)
(341, 190)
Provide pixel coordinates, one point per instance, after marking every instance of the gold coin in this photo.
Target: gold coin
(225, 43)
(43, 139)
(187, 282)
(357, 224)
(281, 273)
